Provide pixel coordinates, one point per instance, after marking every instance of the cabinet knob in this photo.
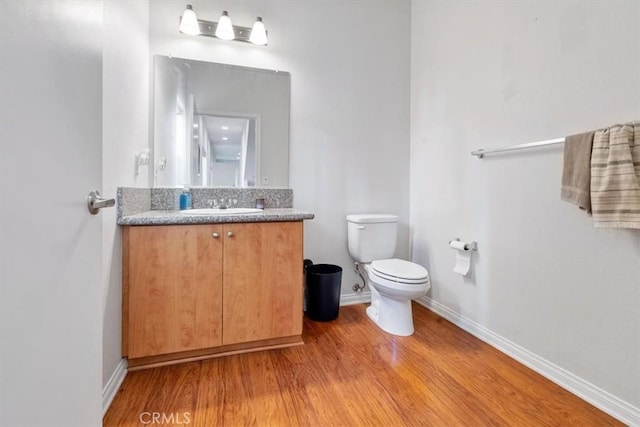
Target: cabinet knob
(230, 234)
(215, 235)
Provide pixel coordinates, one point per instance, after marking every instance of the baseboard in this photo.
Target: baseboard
(599, 398)
(351, 299)
(113, 385)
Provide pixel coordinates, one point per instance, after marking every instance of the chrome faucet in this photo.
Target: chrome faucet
(222, 204)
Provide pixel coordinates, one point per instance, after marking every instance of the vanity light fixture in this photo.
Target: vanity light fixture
(223, 29)
(189, 22)
(258, 33)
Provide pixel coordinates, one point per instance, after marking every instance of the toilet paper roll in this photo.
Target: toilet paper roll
(457, 244)
(463, 257)
(463, 262)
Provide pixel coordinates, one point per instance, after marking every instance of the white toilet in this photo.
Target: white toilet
(393, 282)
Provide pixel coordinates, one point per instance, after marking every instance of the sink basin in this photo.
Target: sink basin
(230, 211)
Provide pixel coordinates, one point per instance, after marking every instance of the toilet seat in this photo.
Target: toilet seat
(399, 271)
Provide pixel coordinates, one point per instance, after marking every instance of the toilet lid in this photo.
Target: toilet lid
(400, 271)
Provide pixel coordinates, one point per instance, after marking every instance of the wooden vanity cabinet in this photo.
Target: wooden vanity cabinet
(262, 281)
(194, 291)
(172, 277)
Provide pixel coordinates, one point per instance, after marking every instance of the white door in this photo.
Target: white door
(50, 246)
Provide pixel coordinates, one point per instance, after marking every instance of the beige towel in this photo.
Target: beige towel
(576, 171)
(615, 176)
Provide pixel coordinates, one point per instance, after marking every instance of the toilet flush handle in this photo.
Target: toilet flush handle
(360, 227)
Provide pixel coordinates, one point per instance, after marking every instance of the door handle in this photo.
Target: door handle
(230, 234)
(95, 202)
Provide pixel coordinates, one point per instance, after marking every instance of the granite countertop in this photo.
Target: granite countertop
(163, 217)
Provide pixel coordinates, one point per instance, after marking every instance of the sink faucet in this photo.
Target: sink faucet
(222, 204)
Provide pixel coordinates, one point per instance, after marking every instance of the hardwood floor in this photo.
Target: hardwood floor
(351, 373)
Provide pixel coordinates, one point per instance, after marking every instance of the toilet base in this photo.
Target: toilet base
(392, 316)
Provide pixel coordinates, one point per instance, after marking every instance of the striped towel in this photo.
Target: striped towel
(615, 176)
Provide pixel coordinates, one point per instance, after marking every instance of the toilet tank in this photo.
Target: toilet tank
(371, 236)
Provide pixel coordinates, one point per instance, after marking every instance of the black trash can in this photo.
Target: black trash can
(323, 291)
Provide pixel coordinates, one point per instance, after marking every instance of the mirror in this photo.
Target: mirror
(219, 125)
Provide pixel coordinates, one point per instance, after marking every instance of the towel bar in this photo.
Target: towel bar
(481, 152)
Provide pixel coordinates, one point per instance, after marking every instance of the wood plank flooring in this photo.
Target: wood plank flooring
(350, 373)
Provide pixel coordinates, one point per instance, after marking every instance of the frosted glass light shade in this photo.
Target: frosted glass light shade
(189, 22)
(224, 30)
(258, 33)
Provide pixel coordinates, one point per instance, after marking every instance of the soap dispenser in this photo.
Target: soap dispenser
(185, 199)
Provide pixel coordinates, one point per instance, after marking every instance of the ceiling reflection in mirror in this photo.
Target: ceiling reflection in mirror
(219, 125)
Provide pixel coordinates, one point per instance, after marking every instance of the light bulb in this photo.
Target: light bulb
(225, 28)
(258, 33)
(189, 22)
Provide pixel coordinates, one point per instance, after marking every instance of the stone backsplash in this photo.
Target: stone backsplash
(137, 200)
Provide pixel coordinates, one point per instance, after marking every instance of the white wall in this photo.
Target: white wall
(349, 103)
(125, 132)
(487, 74)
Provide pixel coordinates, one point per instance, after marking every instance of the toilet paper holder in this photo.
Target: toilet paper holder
(468, 246)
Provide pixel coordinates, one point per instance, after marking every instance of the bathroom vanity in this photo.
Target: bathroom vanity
(203, 286)
(197, 286)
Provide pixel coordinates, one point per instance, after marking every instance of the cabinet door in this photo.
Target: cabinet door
(262, 281)
(174, 288)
